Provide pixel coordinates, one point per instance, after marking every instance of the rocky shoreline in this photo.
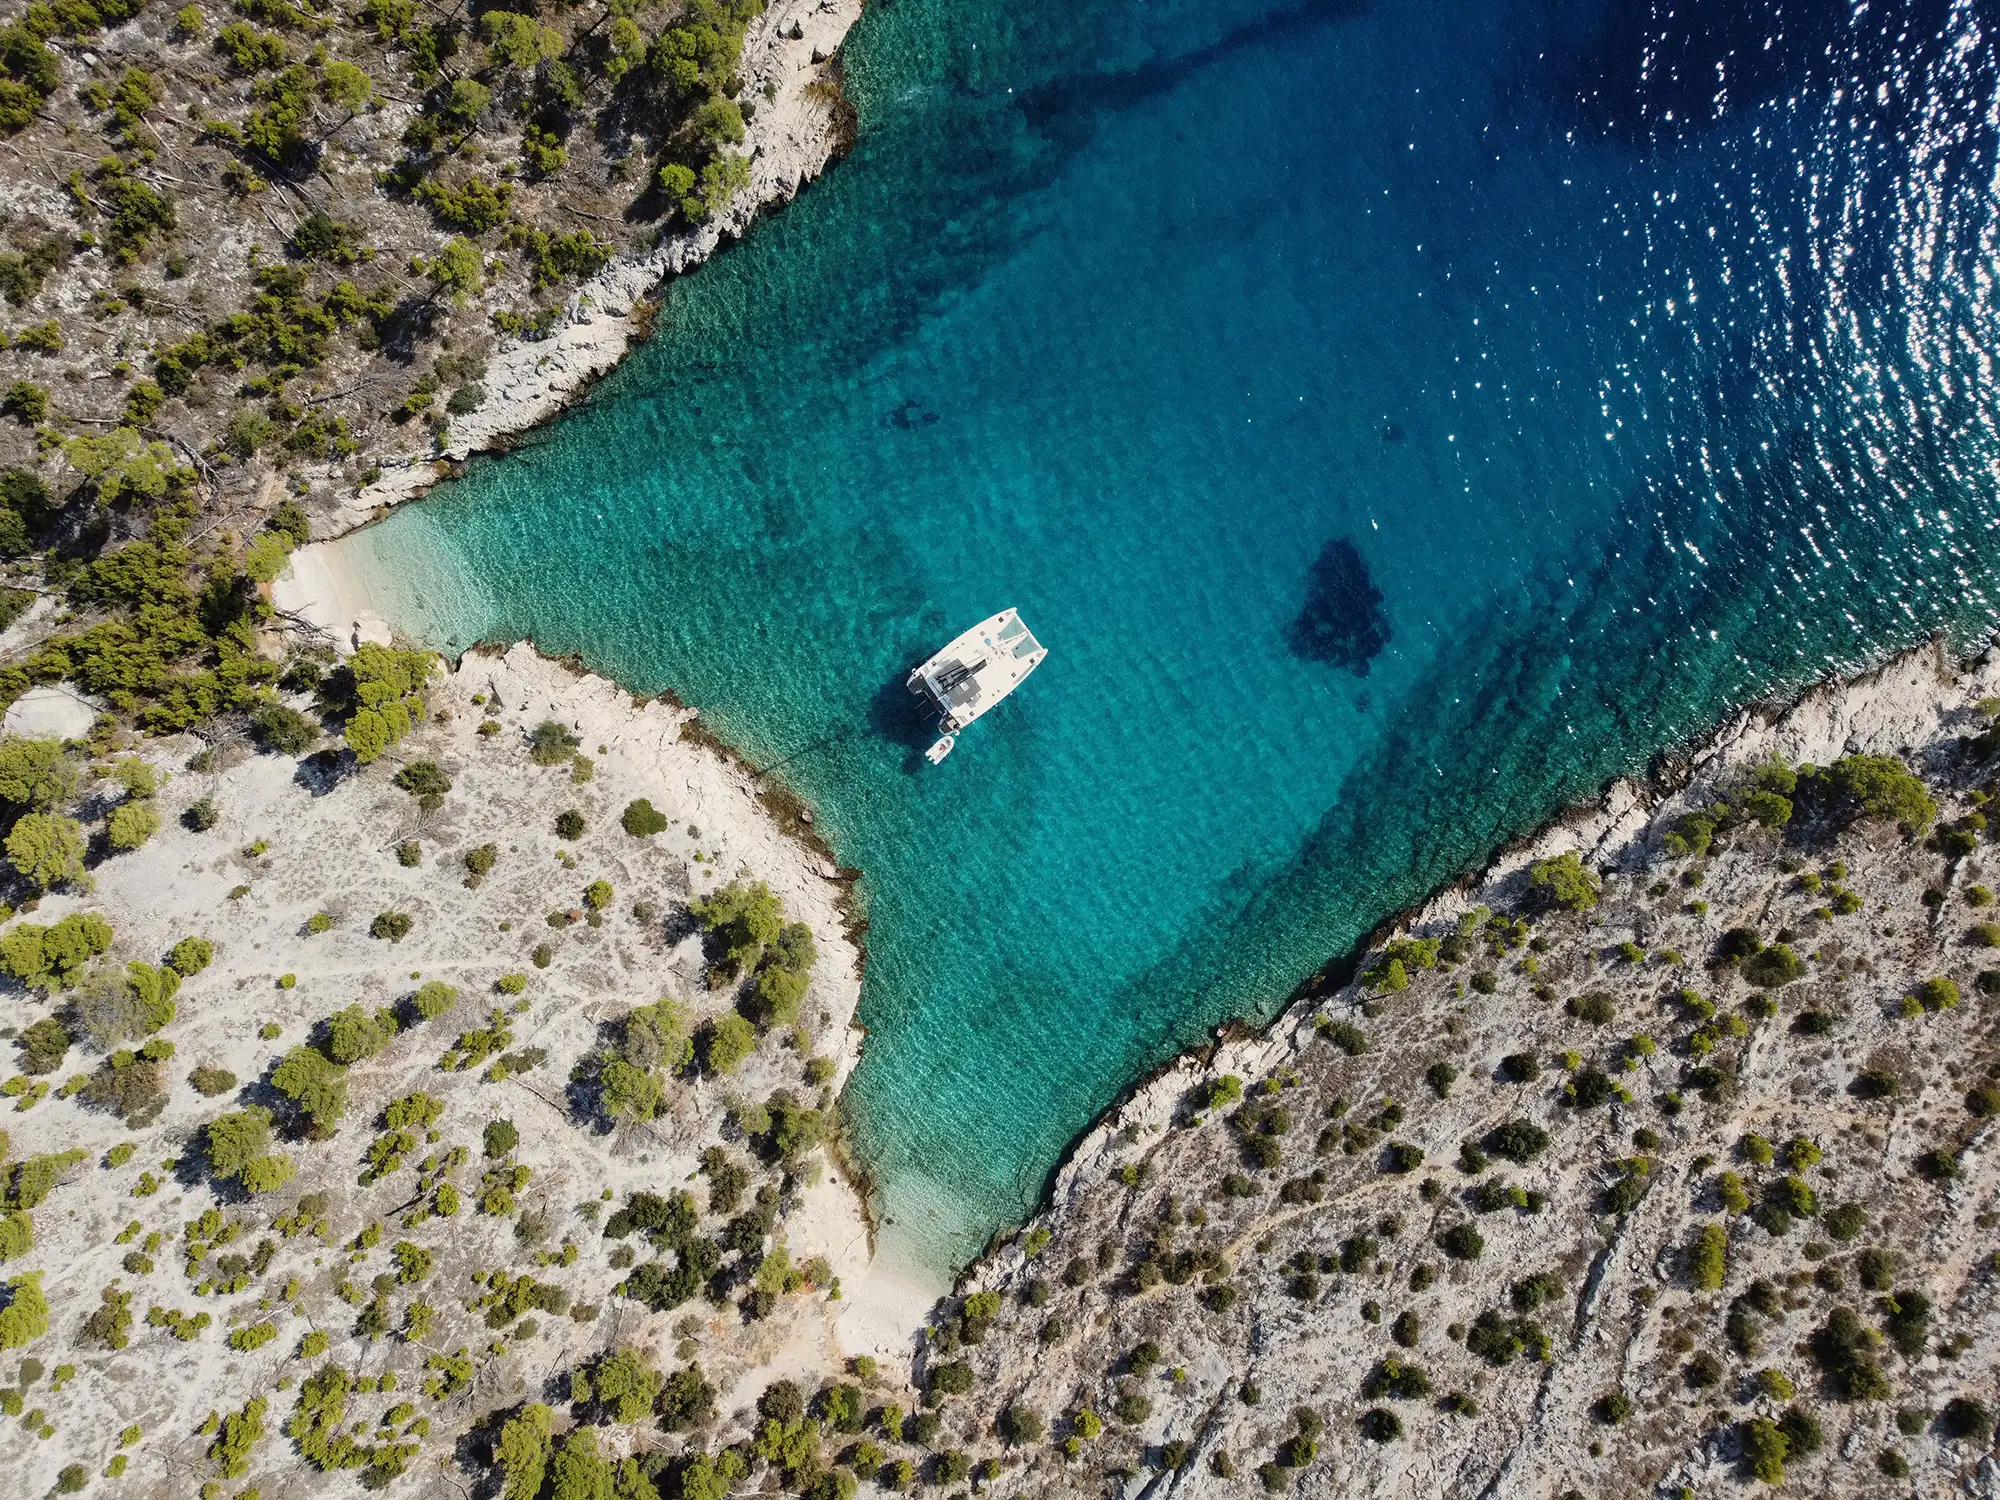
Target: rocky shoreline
(1161, 1234)
(792, 48)
(1886, 709)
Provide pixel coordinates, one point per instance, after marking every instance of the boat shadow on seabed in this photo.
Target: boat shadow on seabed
(903, 718)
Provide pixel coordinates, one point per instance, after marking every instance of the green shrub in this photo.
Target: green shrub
(776, 996)
(728, 1041)
(25, 1318)
(1844, 1346)
(479, 864)
(132, 823)
(434, 999)
(1345, 1035)
(1967, 1419)
(641, 820)
(551, 744)
(1708, 1261)
(1774, 967)
(315, 1085)
(1597, 1008)
(1021, 1425)
(253, 1337)
(46, 849)
(1520, 1067)
(393, 926)
(284, 729)
(1378, 1425)
(379, 694)
(1462, 1242)
(1936, 994)
(1877, 787)
(43, 1046)
(1588, 1088)
(1519, 1141)
(210, 1081)
(1764, 1449)
(53, 958)
(425, 780)
(30, 403)
(190, 956)
(630, 1093)
(353, 1034)
(35, 775)
(569, 824)
(1563, 881)
(743, 918)
(235, 1140)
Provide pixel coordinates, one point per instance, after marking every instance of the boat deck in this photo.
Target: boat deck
(978, 669)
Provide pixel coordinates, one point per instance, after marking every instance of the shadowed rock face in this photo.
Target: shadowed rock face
(1342, 622)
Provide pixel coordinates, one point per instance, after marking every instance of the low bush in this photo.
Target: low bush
(1844, 1347)
(1563, 882)
(211, 1081)
(1462, 1242)
(1520, 1067)
(1936, 994)
(1345, 1035)
(1519, 1141)
(1774, 967)
(1967, 1419)
(434, 999)
(1764, 1449)
(642, 820)
(1597, 1007)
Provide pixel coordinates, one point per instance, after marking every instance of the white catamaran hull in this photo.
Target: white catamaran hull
(979, 668)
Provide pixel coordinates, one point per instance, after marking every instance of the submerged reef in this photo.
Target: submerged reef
(1341, 623)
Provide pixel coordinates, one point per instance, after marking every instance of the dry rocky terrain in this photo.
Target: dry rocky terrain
(300, 246)
(444, 1238)
(1666, 1170)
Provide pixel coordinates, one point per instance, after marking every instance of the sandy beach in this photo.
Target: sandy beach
(288, 845)
(883, 1302)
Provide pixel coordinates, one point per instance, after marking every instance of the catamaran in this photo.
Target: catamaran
(975, 672)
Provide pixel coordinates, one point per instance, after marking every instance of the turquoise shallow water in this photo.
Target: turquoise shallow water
(1394, 418)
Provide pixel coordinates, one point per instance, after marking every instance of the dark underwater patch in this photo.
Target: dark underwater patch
(1342, 623)
(1046, 106)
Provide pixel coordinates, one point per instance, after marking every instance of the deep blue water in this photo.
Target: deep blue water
(1395, 418)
